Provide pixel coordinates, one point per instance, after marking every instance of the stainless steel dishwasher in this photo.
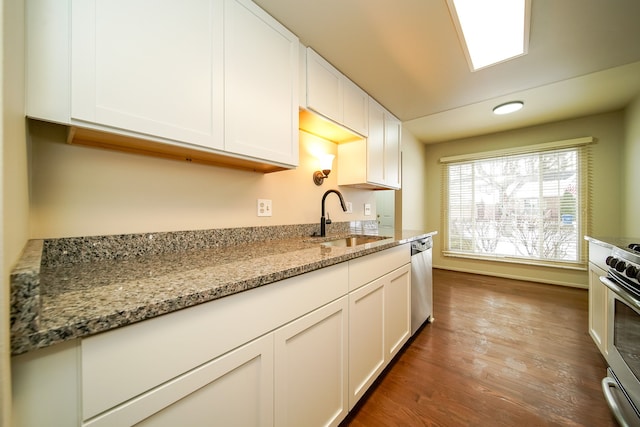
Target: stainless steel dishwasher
(421, 283)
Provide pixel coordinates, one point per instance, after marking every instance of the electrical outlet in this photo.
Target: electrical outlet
(349, 207)
(367, 209)
(264, 207)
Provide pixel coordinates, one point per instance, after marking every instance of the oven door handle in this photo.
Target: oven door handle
(610, 284)
(607, 384)
(625, 296)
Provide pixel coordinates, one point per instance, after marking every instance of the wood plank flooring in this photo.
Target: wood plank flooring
(500, 353)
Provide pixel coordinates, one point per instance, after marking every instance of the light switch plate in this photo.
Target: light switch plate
(264, 207)
(367, 209)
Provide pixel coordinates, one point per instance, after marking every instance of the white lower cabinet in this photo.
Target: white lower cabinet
(379, 325)
(397, 310)
(598, 297)
(311, 368)
(234, 389)
(44, 386)
(291, 376)
(298, 352)
(366, 338)
(598, 308)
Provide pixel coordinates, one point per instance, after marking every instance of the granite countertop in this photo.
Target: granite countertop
(70, 288)
(610, 242)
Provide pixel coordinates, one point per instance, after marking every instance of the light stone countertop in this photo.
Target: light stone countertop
(610, 242)
(70, 288)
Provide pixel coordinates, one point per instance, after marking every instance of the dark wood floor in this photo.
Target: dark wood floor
(500, 353)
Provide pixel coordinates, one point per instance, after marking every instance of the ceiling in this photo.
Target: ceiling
(583, 58)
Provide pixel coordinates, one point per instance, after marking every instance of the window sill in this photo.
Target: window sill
(578, 266)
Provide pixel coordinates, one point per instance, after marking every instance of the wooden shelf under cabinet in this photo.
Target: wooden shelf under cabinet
(129, 144)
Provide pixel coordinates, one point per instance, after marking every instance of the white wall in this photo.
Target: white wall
(80, 191)
(605, 208)
(630, 179)
(413, 194)
(13, 175)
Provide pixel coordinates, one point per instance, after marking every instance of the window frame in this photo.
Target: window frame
(581, 145)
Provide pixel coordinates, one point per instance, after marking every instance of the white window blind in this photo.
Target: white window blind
(526, 205)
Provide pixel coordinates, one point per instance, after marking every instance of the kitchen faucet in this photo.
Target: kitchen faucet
(323, 221)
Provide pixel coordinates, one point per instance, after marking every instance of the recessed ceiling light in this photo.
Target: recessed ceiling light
(509, 107)
(491, 31)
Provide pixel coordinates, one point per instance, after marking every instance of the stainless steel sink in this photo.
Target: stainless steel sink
(354, 241)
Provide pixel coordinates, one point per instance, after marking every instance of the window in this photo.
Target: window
(526, 205)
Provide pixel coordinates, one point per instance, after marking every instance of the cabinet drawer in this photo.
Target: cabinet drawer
(364, 270)
(123, 363)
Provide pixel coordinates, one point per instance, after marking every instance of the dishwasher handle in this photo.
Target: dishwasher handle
(421, 245)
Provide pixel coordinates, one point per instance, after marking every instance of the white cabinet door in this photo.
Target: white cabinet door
(392, 164)
(311, 368)
(261, 85)
(331, 94)
(115, 364)
(47, 53)
(324, 87)
(375, 144)
(598, 308)
(397, 310)
(373, 162)
(366, 338)
(235, 389)
(355, 107)
(149, 67)
(47, 379)
(379, 325)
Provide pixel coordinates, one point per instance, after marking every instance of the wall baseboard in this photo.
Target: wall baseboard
(515, 277)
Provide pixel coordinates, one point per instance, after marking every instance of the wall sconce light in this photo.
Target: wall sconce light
(326, 162)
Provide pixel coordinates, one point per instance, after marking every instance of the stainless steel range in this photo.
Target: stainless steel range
(622, 385)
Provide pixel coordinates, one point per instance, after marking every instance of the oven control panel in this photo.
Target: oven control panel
(626, 262)
(630, 270)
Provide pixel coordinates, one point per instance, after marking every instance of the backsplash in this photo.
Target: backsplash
(73, 250)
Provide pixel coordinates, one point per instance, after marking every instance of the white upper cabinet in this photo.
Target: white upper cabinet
(355, 107)
(48, 90)
(392, 161)
(261, 84)
(375, 173)
(334, 96)
(144, 72)
(215, 76)
(368, 137)
(324, 87)
(373, 162)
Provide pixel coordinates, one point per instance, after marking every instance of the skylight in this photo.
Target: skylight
(491, 31)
